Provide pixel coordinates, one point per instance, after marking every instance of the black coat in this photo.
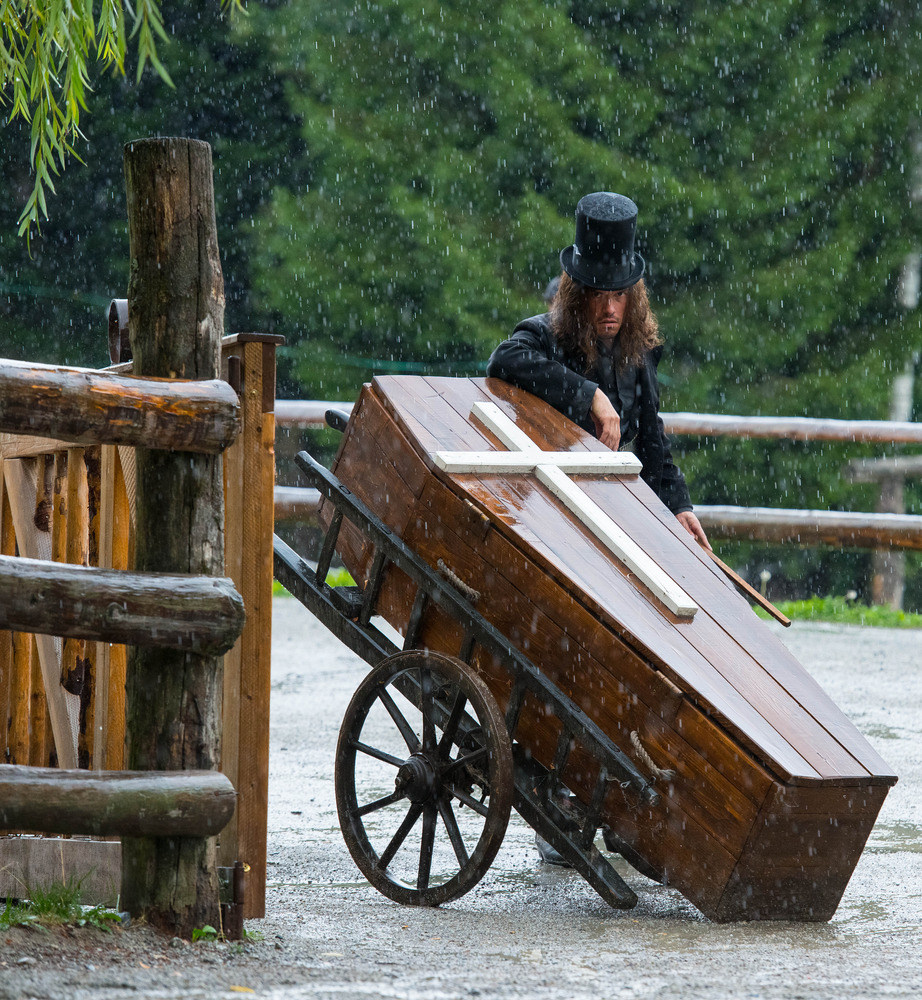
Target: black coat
(532, 360)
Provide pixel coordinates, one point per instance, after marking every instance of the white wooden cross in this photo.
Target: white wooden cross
(551, 468)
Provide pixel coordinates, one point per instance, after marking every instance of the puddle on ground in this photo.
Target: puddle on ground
(892, 838)
(879, 731)
(358, 884)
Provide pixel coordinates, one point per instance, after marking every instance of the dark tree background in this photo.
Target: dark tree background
(394, 182)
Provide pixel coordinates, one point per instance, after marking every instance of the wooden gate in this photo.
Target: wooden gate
(62, 701)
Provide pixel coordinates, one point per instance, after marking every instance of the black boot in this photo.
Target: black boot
(549, 855)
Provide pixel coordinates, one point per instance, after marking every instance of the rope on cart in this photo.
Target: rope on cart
(667, 774)
(472, 595)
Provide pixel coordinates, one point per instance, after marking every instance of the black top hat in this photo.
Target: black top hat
(603, 254)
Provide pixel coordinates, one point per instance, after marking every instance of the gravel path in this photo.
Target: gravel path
(526, 930)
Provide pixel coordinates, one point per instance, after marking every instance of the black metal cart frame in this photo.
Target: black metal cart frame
(427, 777)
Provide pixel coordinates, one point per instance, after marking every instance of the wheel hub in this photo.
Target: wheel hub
(416, 778)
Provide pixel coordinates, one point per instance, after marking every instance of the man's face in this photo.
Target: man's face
(606, 311)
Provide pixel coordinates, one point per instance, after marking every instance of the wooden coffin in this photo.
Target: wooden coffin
(775, 792)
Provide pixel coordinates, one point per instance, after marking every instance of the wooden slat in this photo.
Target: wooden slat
(20, 691)
(234, 487)
(40, 746)
(121, 557)
(107, 462)
(7, 547)
(36, 544)
(75, 663)
(256, 589)
(29, 446)
(108, 751)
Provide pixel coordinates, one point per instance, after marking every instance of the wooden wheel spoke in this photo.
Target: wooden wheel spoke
(377, 754)
(454, 833)
(427, 708)
(387, 800)
(430, 815)
(406, 730)
(400, 836)
(451, 726)
(465, 761)
(469, 801)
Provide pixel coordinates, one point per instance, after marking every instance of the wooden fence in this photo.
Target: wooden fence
(62, 699)
(71, 491)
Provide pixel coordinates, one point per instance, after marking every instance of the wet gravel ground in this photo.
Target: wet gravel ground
(527, 930)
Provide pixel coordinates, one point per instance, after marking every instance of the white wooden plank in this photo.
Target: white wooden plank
(617, 541)
(551, 469)
(573, 462)
(493, 418)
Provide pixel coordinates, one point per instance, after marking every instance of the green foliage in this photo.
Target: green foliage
(337, 577)
(394, 182)
(53, 299)
(46, 47)
(206, 933)
(446, 148)
(57, 904)
(842, 611)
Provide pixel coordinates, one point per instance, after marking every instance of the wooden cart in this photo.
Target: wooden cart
(566, 648)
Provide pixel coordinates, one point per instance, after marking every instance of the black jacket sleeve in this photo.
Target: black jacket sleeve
(530, 360)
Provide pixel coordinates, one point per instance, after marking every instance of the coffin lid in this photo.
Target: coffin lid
(726, 659)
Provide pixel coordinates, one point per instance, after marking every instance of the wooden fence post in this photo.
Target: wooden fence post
(173, 698)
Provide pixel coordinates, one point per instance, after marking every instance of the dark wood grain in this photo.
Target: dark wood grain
(802, 851)
(762, 642)
(737, 643)
(585, 560)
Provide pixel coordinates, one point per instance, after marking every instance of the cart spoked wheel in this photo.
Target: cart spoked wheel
(424, 778)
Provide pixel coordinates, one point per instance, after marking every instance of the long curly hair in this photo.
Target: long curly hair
(569, 311)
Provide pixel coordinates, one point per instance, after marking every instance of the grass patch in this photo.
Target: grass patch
(58, 905)
(840, 611)
(335, 578)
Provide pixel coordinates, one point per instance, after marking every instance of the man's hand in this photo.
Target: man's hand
(693, 526)
(606, 420)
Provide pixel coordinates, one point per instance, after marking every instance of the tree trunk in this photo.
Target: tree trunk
(173, 699)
